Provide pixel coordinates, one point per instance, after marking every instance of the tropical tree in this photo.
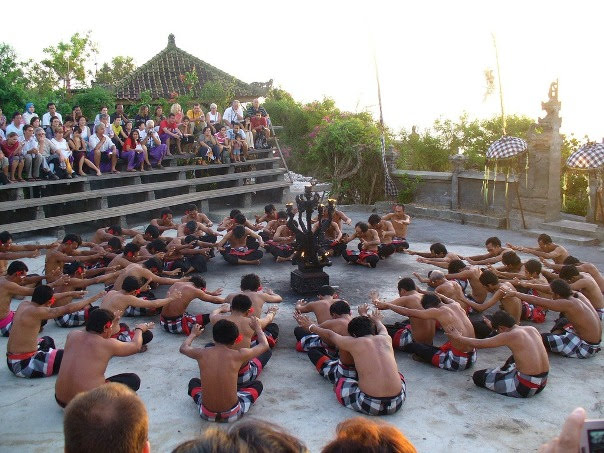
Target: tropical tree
(111, 73)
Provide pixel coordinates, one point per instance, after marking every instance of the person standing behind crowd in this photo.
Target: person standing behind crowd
(213, 117)
(119, 113)
(142, 115)
(47, 117)
(16, 126)
(233, 114)
(29, 113)
(33, 159)
(97, 118)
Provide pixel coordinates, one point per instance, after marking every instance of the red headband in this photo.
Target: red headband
(52, 301)
(251, 310)
(259, 288)
(19, 273)
(137, 292)
(239, 339)
(108, 324)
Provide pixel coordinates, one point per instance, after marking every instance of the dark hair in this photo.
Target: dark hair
(430, 301)
(190, 238)
(115, 230)
(571, 260)
(31, 122)
(339, 307)
(131, 248)
(269, 208)
(510, 258)
(234, 212)
(241, 303)
(5, 236)
(568, 272)
(374, 219)
(115, 243)
(250, 282)
(191, 226)
(240, 219)
(407, 284)
(438, 249)
(49, 104)
(198, 282)
(225, 332)
(156, 246)
(130, 284)
(362, 326)
(16, 114)
(326, 290)
(502, 318)
(494, 240)
(533, 266)
(28, 126)
(455, 266)
(72, 268)
(164, 212)
(154, 263)
(282, 215)
(545, 238)
(153, 231)
(205, 129)
(239, 231)
(561, 288)
(190, 207)
(76, 129)
(97, 319)
(362, 226)
(70, 237)
(15, 267)
(488, 278)
(42, 294)
(264, 437)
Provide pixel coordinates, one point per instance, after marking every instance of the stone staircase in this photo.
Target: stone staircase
(571, 232)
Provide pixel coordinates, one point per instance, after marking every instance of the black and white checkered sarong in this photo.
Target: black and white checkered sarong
(350, 395)
(6, 324)
(245, 396)
(451, 359)
(35, 364)
(333, 369)
(75, 319)
(513, 383)
(402, 337)
(569, 344)
(308, 342)
(249, 372)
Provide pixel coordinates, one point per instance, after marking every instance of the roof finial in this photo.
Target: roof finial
(171, 41)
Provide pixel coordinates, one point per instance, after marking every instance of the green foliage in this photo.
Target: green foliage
(407, 188)
(574, 186)
(12, 82)
(217, 92)
(120, 67)
(91, 100)
(68, 59)
(191, 81)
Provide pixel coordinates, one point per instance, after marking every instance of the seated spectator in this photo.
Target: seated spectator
(30, 112)
(50, 158)
(76, 112)
(16, 126)
(208, 146)
(32, 157)
(361, 435)
(142, 115)
(119, 113)
(261, 131)
(54, 123)
(135, 142)
(213, 117)
(247, 128)
(102, 150)
(84, 129)
(34, 122)
(254, 108)
(68, 127)
(237, 137)
(223, 140)
(169, 133)
(65, 155)
(187, 130)
(118, 132)
(11, 148)
(79, 149)
(127, 129)
(2, 121)
(155, 148)
(107, 419)
(104, 111)
(158, 115)
(4, 165)
(52, 112)
(198, 119)
(176, 109)
(233, 114)
(108, 129)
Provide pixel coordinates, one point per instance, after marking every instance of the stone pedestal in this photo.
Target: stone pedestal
(458, 163)
(308, 281)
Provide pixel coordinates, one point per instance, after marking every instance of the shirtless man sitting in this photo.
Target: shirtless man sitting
(165, 221)
(338, 216)
(413, 329)
(465, 275)
(192, 213)
(367, 255)
(453, 355)
(586, 285)
(130, 254)
(270, 213)
(329, 362)
(494, 253)
(228, 223)
(281, 246)
(546, 249)
(251, 287)
(379, 388)
(151, 233)
(385, 232)
(240, 312)
(268, 232)
(26, 355)
(11, 286)
(449, 288)
(199, 230)
(174, 317)
(11, 251)
(400, 221)
(578, 334)
(67, 252)
(532, 274)
(234, 246)
(104, 234)
(216, 394)
(524, 374)
(119, 300)
(581, 266)
(87, 354)
(326, 296)
(437, 256)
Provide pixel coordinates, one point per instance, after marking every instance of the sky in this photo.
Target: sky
(431, 55)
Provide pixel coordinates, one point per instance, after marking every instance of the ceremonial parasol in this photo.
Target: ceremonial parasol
(506, 148)
(589, 158)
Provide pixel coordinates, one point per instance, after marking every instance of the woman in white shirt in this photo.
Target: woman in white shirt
(84, 129)
(213, 117)
(63, 152)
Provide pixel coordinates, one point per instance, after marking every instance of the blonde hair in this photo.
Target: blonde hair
(176, 108)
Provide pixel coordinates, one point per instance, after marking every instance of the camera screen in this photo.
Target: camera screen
(596, 440)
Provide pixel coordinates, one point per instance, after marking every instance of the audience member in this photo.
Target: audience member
(79, 149)
(84, 129)
(31, 155)
(30, 112)
(213, 117)
(158, 115)
(16, 126)
(260, 131)
(54, 123)
(176, 109)
(155, 148)
(198, 119)
(52, 111)
(76, 112)
(170, 134)
(237, 139)
(2, 121)
(233, 114)
(65, 155)
(48, 151)
(35, 122)
(102, 149)
(11, 148)
(104, 111)
(119, 113)
(142, 115)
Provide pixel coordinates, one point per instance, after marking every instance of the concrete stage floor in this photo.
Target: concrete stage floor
(444, 411)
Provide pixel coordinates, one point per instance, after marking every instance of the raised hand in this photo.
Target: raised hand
(196, 330)
(302, 320)
(380, 304)
(365, 308)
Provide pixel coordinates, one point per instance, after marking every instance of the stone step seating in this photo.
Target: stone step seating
(570, 232)
(50, 204)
